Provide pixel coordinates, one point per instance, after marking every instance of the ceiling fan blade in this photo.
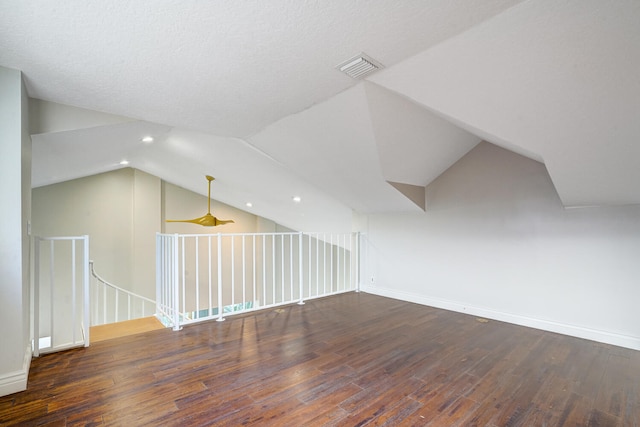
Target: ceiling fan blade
(193, 221)
(207, 220)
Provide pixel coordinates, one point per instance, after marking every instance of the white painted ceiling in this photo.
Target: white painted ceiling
(247, 91)
(560, 79)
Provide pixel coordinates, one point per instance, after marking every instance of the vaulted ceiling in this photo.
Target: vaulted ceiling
(248, 91)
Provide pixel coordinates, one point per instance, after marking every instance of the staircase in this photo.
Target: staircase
(117, 312)
(113, 304)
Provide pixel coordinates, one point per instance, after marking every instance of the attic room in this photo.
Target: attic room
(488, 161)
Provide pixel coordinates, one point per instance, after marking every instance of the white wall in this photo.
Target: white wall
(496, 242)
(147, 205)
(100, 206)
(15, 188)
(25, 226)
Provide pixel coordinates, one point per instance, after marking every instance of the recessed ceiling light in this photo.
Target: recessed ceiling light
(124, 162)
(296, 199)
(249, 204)
(147, 139)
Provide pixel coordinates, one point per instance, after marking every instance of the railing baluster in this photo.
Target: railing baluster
(117, 296)
(184, 280)
(309, 237)
(233, 273)
(104, 304)
(300, 271)
(197, 257)
(273, 258)
(351, 258)
(172, 283)
(291, 266)
(344, 263)
(167, 277)
(158, 272)
(73, 292)
(282, 267)
(86, 290)
(170, 286)
(324, 259)
(175, 288)
(36, 298)
(96, 298)
(253, 295)
(337, 263)
(210, 282)
(220, 308)
(244, 275)
(317, 264)
(342, 248)
(161, 280)
(357, 261)
(331, 261)
(51, 292)
(264, 271)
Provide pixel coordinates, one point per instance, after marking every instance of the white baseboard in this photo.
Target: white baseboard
(13, 382)
(606, 337)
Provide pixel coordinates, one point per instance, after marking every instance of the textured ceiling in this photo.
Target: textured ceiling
(225, 67)
(248, 92)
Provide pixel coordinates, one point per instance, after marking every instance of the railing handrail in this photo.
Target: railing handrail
(117, 288)
(270, 233)
(57, 238)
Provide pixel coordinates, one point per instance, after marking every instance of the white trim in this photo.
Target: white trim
(606, 337)
(16, 381)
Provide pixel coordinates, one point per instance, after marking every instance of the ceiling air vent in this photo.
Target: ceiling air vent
(359, 66)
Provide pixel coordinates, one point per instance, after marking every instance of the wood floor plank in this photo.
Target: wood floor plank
(351, 359)
(324, 403)
(611, 397)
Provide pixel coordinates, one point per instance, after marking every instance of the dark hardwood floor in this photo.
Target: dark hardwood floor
(348, 360)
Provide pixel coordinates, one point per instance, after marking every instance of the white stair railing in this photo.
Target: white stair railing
(111, 303)
(208, 276)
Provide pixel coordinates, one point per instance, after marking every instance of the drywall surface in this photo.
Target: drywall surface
(495, 241)
(15, 171)
(99, 206)
(147, 200)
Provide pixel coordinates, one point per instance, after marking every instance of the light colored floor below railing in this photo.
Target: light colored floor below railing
(125, 328)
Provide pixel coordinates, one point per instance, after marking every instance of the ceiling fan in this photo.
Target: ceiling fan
(207, 220)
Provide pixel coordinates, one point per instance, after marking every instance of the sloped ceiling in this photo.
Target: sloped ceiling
(225, 67)
(414, 145)
(559, 79)
(248, 92)
(331, 144)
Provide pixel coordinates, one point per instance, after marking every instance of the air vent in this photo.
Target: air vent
(359, 66)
